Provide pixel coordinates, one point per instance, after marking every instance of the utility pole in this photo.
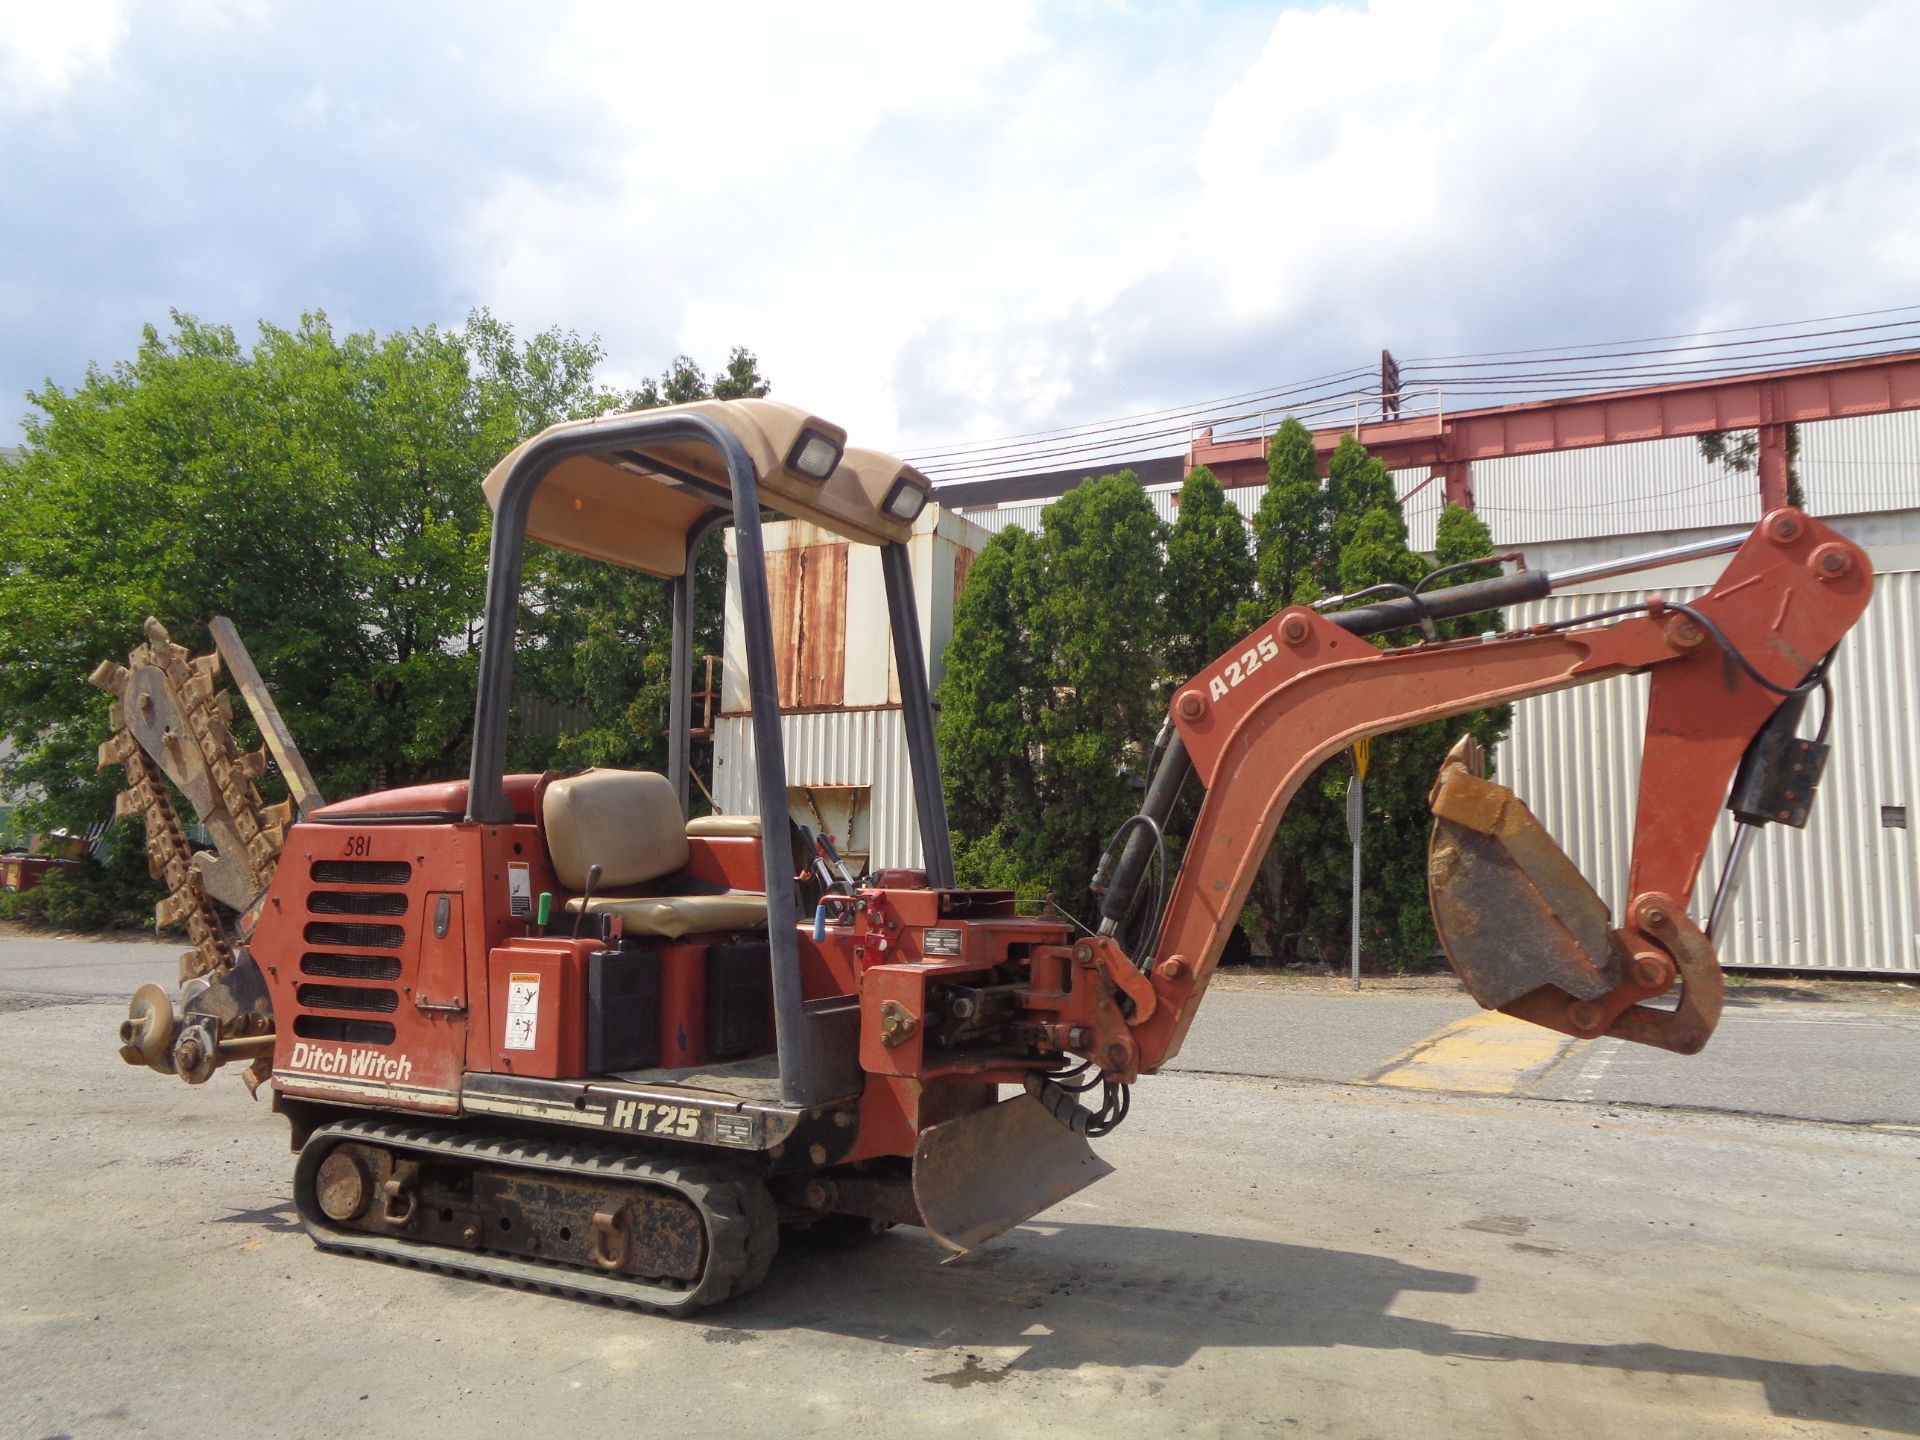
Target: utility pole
(1356, 814)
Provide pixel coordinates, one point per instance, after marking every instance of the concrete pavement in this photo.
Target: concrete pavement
(1846, 1051)
(1276, 1255)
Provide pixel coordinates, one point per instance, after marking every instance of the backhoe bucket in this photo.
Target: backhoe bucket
(1512, 911)
(986, 1172)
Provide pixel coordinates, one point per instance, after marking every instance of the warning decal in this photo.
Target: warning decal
(519, 887)
(523, 1012)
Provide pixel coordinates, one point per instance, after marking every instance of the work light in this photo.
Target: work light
(814, 455)
(906, 500)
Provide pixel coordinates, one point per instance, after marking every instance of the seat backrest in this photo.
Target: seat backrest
(628, 822)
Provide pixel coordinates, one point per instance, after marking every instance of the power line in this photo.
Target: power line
(1549, 371)
(1656, 339)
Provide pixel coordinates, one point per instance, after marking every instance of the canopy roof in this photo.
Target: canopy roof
(634, 506)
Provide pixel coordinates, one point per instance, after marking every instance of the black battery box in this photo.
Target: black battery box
(739, 1000)
(623, 1010)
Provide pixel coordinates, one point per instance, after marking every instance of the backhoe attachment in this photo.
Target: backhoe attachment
(1527, 934)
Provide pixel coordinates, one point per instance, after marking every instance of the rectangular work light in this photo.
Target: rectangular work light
(814, 455)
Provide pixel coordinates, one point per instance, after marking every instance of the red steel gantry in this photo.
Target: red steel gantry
(1766, 401)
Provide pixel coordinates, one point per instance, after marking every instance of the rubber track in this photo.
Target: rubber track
(741, 1220)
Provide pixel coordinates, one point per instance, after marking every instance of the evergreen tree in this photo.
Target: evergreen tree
(1357, 486)
(1051, 690)
(1209, 575)
(1293, 529)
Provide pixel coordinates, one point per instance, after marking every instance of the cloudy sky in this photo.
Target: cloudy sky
(963, 221)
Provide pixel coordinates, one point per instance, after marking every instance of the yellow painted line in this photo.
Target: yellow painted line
(1485, 1054)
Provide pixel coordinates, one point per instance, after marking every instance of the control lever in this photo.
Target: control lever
(814, 861)
(586, 897)
(832, 857)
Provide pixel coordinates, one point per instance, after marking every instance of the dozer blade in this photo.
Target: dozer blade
(1512, 911)
(986, 1172)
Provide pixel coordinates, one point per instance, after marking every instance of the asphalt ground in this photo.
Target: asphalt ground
(1374, 1215)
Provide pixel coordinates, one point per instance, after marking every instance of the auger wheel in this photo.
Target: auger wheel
(656, 1230)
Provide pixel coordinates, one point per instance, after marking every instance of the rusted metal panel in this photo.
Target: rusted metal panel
(807, 592)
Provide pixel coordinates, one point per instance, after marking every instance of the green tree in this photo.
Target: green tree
(1209, 576)
(1040, 746)
(1357, 486)
(1293, 528)
(323, 490)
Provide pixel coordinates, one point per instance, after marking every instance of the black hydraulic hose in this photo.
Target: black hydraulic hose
(1142, 841)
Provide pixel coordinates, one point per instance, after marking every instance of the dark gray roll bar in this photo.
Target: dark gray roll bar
(916, 710)
(812, 1070)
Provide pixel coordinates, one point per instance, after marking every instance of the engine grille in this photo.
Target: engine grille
(349, 997)
(350, 967)
(348, 1032)
(361, 872)
(355, 902)
(325, 962)
(359, 935)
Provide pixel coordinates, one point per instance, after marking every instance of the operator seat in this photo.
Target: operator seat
(628, 822)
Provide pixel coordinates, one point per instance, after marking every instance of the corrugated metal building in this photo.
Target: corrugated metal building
(847, 766)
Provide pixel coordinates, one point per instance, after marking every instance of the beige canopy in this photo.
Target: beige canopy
(629, 507)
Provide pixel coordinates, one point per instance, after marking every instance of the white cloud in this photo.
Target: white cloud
(1001, 217)
(962, 221)
(45, 48)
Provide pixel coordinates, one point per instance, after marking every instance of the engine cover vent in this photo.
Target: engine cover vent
(361, 872)
(348, 997)
(354, 902)
(360, 936)
(350, 967)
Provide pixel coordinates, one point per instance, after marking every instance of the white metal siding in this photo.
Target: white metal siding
(835, 747)
(1843, 894)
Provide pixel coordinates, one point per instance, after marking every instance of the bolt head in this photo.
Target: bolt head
(1650, 972)
(1191, 705)
(1831, 561)
(1683, 634)
(1173, 969)
(1294, 629)
(1584, 1017)
(1785, 529)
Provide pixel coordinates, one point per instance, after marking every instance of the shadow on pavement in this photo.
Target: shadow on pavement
(1128, 1296)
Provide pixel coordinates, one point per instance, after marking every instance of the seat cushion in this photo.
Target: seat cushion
(715, 826)
(668, 917)
(628, 822)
